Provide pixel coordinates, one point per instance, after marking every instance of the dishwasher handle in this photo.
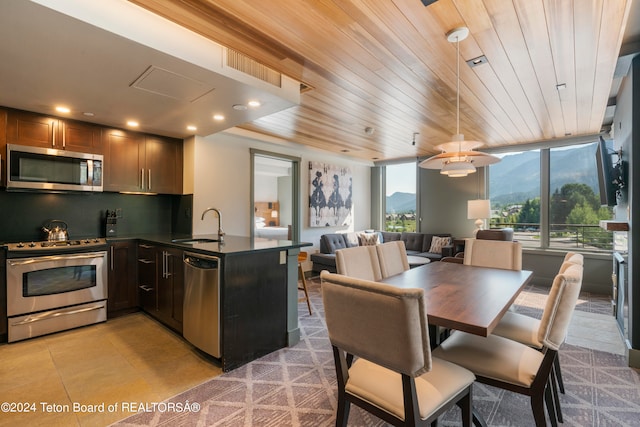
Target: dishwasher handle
(201, 261)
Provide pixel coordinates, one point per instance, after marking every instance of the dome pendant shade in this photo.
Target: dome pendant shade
(456, 169)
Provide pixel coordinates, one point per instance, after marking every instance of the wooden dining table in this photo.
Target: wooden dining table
(463, 297)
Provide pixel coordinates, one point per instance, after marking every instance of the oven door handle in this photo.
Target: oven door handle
(51, 314)
(55, 258)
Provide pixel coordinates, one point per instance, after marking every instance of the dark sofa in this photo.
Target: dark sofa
(417, 244)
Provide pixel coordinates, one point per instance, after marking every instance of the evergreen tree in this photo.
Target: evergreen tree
(530, 212)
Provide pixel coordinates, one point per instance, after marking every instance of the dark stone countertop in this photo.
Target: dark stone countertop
(231, 245)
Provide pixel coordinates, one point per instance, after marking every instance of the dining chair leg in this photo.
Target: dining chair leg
(556, 368)
(550, 404)
(556, 396)
(537, 405)
(303, 288)
(478, 420)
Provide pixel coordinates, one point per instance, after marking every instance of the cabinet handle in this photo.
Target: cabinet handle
(142, 178)
(149, 182)
(145, 261)
(142, 245)
(111, 256)
(146, 288)
(169, 274)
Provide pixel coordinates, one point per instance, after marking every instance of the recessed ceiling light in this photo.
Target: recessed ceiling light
(239, 107)
(61, 109)
(477, 61)
(218, 117)
(254, 103)
(88, 114)
(133, 123)
(192, 128)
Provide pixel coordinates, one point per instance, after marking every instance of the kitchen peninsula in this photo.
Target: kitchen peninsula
(258, 295)
(258, 292)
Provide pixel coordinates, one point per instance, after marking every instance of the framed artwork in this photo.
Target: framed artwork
(330, 195)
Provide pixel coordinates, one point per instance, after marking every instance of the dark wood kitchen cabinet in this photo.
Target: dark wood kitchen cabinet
(123, 278)
(3, 297)
(3, 145)
(170, 288)
(161, 283)
(142, 163)
(26, 128)
(147, 281)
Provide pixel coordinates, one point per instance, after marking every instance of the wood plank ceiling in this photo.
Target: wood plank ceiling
(386, 64)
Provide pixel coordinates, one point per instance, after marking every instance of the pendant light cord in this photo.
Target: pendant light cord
(457, 85)
(458, 91)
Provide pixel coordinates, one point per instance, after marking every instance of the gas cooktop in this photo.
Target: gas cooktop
(57, 246)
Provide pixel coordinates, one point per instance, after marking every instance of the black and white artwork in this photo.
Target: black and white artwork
(330, 200)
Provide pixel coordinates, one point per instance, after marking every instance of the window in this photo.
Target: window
(514, 189)
(574, 200)
(564, 217)
(400, 201)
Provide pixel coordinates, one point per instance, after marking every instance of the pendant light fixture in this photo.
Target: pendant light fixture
(457, 158)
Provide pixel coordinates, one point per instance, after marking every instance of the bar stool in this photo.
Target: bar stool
(302, 256)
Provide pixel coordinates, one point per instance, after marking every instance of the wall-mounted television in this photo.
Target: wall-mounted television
(606, 173)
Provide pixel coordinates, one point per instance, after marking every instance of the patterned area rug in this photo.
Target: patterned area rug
(296, 387)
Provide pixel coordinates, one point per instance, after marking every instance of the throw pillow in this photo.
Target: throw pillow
(368, 239)
(437, 243)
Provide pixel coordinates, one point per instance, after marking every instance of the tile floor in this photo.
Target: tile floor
(128, 359)
(135, 359)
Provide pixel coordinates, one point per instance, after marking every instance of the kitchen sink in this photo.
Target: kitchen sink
(194, 240)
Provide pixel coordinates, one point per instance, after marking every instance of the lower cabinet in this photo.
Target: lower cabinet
(3, 298)
(122, 278)
(161, 283)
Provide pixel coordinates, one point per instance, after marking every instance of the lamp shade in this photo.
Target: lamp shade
(458, 168)
(479, 209)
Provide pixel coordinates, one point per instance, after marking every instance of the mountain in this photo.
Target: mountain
(517, 177)
(400, 202)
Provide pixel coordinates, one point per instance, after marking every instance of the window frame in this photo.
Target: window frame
(545, 190)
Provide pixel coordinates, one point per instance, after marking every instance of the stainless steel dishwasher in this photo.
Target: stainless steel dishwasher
(201, 315)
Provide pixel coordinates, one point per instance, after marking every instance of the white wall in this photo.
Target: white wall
(220, 164)
(266, 188)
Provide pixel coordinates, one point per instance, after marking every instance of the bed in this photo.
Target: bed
(272, 232)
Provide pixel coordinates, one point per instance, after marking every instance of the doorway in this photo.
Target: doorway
(275, 196)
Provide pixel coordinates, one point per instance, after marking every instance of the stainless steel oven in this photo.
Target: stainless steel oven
(52, 292)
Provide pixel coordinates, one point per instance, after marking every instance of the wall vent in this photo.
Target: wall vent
(243, 63)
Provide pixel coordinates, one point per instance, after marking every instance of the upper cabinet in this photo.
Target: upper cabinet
(26, 128)
(141, 163)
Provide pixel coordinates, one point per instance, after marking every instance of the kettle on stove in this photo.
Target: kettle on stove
(56, 230)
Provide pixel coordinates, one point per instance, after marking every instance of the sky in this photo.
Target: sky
(401, 178)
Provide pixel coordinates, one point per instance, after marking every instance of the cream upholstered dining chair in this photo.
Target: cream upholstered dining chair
(525, 329)
(392, 257)
(572, 258)
(393, 376)
(510, 365)
(493, 253)
(360, 261)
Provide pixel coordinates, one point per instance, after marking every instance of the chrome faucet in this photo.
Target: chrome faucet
(220, 231)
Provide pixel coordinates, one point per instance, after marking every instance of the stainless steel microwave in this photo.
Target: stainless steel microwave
(36, 168)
